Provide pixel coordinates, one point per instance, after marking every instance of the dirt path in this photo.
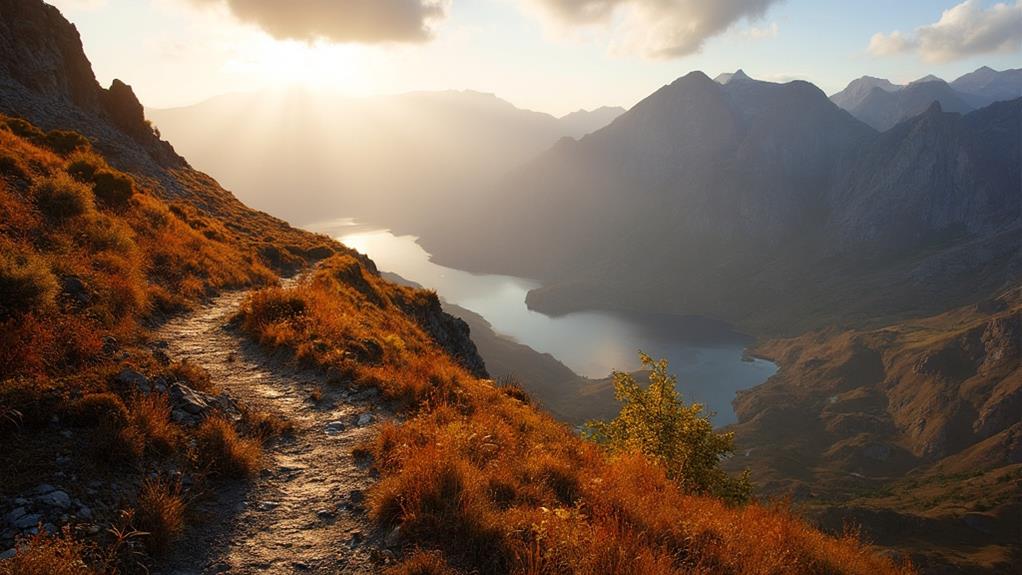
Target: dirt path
(304, 513)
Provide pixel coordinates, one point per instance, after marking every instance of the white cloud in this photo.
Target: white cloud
(760, 32)
(657, 28)
(964, 30)
(359, 21)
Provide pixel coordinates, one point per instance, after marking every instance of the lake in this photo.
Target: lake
(707, 356)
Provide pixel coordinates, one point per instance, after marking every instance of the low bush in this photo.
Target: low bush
(60, 197)
(113, 189)
(27, 284)
(224, 452)
(422, 563)
(48, 555)
(100, 409)
(150, 419)
(65, 141)
(160, 514)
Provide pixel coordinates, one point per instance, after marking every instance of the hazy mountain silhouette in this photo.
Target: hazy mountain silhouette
(762, 203)
(305, 156)
(882, 104)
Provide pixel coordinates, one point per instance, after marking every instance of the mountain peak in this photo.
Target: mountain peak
(927, 78)
(727, 77)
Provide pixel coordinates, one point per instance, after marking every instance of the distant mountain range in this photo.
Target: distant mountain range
(760, 203)
(390, 158)
(882, 104)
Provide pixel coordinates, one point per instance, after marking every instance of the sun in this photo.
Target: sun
(288, 64)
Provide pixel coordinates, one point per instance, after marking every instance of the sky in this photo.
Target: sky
(553, 56)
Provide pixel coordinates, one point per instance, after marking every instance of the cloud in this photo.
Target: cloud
(657, 28)
(962, 31)
(358, 21)
(760, 32)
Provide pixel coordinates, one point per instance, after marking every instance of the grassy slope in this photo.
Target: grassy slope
(89, 257)
(495, 486)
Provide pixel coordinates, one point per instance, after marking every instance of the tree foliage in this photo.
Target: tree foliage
(656, 422)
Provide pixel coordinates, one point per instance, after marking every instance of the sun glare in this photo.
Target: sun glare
(279, 64)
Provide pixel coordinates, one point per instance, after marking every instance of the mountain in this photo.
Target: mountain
(859, 89)
(991, 84)
(882, 108)
(582, 122)
(905, 429)
(336, 155)
(727, 77)
(882, 104)
(759, 203)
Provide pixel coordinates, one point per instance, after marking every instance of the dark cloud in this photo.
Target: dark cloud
(362, 21)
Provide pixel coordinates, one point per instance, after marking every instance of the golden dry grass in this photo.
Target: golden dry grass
(48, 555)
(222, 451)
(488, 484)
(160, 514)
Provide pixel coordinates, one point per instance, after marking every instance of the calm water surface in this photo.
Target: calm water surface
(705, 355)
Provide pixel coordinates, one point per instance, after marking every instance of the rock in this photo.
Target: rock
(188, 400)
(14, 515)
(325, 514)
(357, 497)
(27, 521)
(84, 512)
(110, 345)
(267, 505)
(980, 522)
(365, 419)
(334, 427)
(132, 379)
(301, 566)
(74, 291)
(8, 554)
(393, 538)
(44, 488)
(58, 499)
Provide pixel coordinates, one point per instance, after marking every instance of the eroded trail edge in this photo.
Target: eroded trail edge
(305, 512)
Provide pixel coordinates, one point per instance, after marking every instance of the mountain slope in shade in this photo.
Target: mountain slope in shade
(991, 84)
(336, 155)
(859, 89)
(582, 122)
(882, 109)
(895, 103)
(763, 204)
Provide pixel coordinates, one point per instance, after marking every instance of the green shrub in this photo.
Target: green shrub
(65, 141)
(60, 197)
(27, 284)
(113, 189)
(655, 422)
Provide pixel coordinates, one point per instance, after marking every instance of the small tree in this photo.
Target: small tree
(656, 423)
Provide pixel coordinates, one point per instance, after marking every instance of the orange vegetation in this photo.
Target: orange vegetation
(485, 483)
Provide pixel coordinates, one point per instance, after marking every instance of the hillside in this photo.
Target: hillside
(117, 456)
(907, 429)
(337, 153)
